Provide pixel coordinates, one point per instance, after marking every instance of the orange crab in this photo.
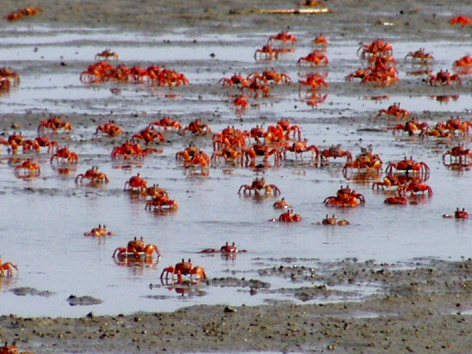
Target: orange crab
(256, 87)
(321, 40)
(6, 269)
(301, 146)
(159, 203)
(443, 78)
(414, 187)
(240, 102)
(110, 128)
(149, 135)
(271, 75)
(398, 199)
(366, 160)
(236, 79)
(345, 197)
(314, 81)
(281, 204)
(458, 214)
(27, 169)
(257, 186)
(94, 175)
(288, 216)
(55, 123)
(335, 152)
(155, 191)
(183, 268)
(463, 64)
(314, 58)
(197, 127)
(421, 55)
(377, 47)
(358, 74)
(38, 143)
(136, 183)
(10, 76)
(14, 16)
(283, 37)
(231, 155)
(394, 110)
(408, 166)
(100, 231)
(458, 156)
(268, 52)
(30, 11)
(225, 249)
(106, 54)
(137, 248)
(167, 123)
(332, 220)
(412, 127)
(128, 150)
(393, 180)
(65, 155)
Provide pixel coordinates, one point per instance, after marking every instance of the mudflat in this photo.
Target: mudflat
(423, 307)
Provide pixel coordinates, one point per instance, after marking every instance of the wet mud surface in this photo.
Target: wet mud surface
(421, 306)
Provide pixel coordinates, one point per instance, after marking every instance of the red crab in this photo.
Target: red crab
(407, 166)
(314, 58)
(301, 146)
(415, 187)
(183, 268)
(110, 128)
(197, 127)
(288, 216)
(105, 55)
(6, 269)
(100, 231)
(136, 183)
(459, 214)
(281, 204)
(257, 186)
(284, 37)
(94, 175)
(332, 220)
(137, 248)
(240, 102)
(64, 155)
(321, 40)
(128, 150)
(394, 110)
(460, 20)
(335, 152)
(345, 197)
(314, 81)
(55, 123)
(236, 79)
(27, 169)
(167, 123)
(420, 55)
(398, 199)
(226, 249)
(443, 78)
(159, 203)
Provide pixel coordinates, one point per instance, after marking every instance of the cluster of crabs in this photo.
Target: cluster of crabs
(103, 71)
(23, 12)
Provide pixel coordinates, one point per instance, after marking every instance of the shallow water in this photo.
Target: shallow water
(43, 220)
